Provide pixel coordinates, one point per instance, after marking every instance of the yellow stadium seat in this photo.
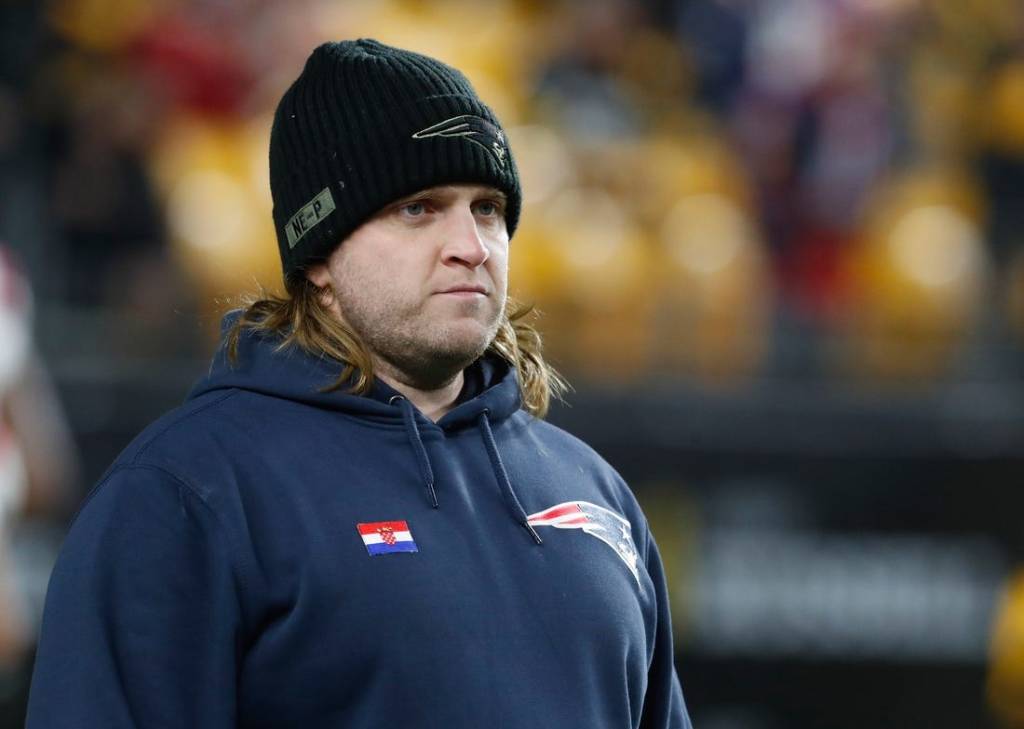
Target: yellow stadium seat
(919, 275)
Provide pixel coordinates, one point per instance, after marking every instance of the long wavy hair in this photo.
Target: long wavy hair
(299, 318)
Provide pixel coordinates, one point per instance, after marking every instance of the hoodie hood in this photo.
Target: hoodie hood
(490, 394)
(265, 367)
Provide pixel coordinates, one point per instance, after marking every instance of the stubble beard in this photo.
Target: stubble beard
(419, 351)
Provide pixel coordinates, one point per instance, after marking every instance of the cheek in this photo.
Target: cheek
(354, 281)
(357, 271)
(498, 263)
(500, 276)
(378, 292)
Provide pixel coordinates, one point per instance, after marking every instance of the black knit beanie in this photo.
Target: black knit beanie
(366, 124)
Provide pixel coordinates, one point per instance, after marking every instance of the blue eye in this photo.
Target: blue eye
(488, 208)
(414, 209)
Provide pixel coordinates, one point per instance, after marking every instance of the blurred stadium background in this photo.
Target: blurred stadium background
(778, 246)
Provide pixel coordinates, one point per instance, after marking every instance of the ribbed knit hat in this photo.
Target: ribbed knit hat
(366, 124)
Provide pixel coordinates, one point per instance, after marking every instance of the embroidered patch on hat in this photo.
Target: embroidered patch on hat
(309, 215)
(385, 537)
(597, 521)
(473, 129)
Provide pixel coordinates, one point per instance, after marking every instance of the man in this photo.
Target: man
(358, 518)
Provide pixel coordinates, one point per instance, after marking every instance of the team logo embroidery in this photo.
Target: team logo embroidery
(596, 521)
(386, 537)
(473, 129)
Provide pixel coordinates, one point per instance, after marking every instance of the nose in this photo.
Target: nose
(464, 245)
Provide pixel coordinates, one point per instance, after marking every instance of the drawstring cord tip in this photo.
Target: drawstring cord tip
(501, 475)
(533, 532)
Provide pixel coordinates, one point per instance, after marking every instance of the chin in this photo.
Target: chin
(472, 335)
(436, 364)
(461, 351)
(461, 345)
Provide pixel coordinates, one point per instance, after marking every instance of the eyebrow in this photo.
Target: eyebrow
(479, 189)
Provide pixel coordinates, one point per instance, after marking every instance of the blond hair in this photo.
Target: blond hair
(301, 319)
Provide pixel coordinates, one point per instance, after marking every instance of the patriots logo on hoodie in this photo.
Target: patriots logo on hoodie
(597, 521)
(473, 129)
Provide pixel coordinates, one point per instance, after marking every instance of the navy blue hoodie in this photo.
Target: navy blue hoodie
(272, 555)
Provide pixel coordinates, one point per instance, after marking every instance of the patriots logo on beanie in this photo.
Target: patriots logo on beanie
(473, 129)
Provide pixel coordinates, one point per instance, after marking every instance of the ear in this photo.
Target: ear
(318, 274)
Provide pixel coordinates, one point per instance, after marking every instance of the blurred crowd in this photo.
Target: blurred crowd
(715, 190)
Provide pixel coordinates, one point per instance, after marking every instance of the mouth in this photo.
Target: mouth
(465, 290)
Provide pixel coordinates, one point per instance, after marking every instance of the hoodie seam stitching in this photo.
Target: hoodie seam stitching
(197, 494)
(142, 450)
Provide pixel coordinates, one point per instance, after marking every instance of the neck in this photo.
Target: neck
(433, 403)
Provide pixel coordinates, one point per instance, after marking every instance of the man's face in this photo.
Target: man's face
(424, 281)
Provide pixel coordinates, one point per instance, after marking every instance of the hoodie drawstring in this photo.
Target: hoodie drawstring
(511, 500)
(500, 474)
(413, 431)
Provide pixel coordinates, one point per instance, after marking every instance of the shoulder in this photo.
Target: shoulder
(200, 443)
(171, 483)
(154, 468)
(185, 429)
(551, 439)
(553, 435)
